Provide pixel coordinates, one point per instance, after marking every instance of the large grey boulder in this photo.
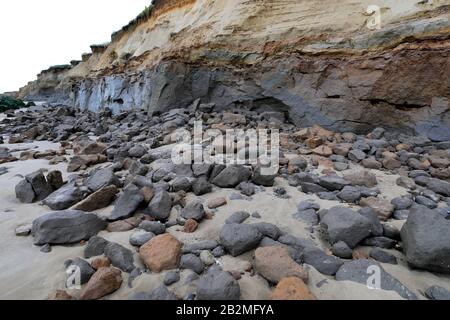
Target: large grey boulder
(439, 186)
(343, 224)
(102, 178)
(65, 227)
(127, 203)
(39, 184)
(160, 206)
(333, 182)
(262, 178)
(239, 238)
(120, 257)
(426, 240)
(64, 197)
(231, 176)
(362, 271)
(218, 285)
(24, 192)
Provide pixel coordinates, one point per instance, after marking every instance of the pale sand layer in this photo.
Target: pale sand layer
(26, 273)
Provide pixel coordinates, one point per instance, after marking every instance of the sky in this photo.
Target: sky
(36, 34)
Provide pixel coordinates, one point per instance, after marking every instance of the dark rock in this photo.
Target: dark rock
(120, 257)
(171, 277)
(193, 210)
(324, 263)
(192, 262)
(95, 247)
(401, 214)
(65, 227)
(200, 246)
(127, 203)
(181, 184)
(426, 202)
(437, 293)
(155, 227)
(333, 182)
(201, 186)
(55, 179)
(24, 192)
(247, 188)
(159, 294)
(380, 242)
(360, 270)
(83, 267)
(102, 178)
(231, 176)
(383, 256)
(64, 197)
(439, 186)
(350, 194)
(402, 203)
(342, 250)
(426, 240)
(239, 238)
(263, 178)
(268, 229)
(139, 238)
(308, 216)
(218, 285)
(160, 206)
(237, 217)
(39, 184)
(342, 224)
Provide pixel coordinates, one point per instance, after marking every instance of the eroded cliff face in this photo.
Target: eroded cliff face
(316, 60)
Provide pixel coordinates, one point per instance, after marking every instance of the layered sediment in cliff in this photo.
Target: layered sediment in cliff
(316, 60)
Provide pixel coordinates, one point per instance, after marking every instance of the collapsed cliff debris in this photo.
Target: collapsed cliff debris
(138, 189)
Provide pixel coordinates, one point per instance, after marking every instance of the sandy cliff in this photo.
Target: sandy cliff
(317, 60)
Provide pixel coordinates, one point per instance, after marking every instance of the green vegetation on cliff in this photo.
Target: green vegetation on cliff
(7, 103)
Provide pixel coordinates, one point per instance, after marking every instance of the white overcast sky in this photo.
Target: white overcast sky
(35, 34)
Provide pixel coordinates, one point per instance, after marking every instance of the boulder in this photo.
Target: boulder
(275, 263)
(65, 227)
(24, 192)
(193, 210)
(231, 176)
(292, 288)
(163, 252)
(120, 257)
(155, 227)
(127, 203)
(98, 200)
(160, 206)
(105, 281)
(95, 247)
(362, 271)
(102, 178)
(239, 238)
(343, 224)
(39, 184)
(64, 197)
(383, 208)
(262, 178)
(426, 240)
(192, 262)
(217, 285)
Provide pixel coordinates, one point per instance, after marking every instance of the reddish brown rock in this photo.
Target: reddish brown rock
(101, 262)
(323, 151)
(60, 295)
(161, 253)
(123, 225)
(292, 288)
(105, 281)
(382, 208)
(98, 200)
(190, 226)
(148, 194)
(217, 202)
(275, 263)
